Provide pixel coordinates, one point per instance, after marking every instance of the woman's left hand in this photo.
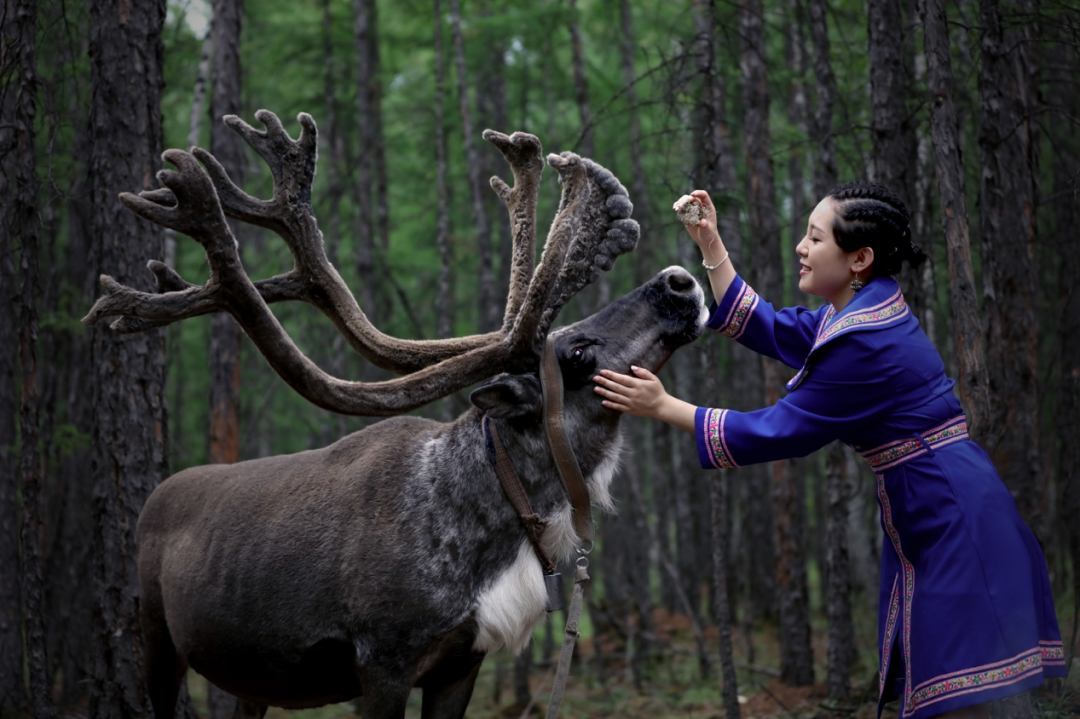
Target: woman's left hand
(640, 393)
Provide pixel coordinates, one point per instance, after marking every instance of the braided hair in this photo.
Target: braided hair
(871, 215)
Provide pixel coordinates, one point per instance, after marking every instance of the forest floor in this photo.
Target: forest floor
(674, 686)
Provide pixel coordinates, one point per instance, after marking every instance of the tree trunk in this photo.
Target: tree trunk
(973, 382)
(788, 492)
(842, 650)
(1007, 201)
(1067, 215)
(25, 228)
(721, 549)
(490, 311)
(225, 334)
(13, 698)
(893, 130)
(198, 94)
(825, 172)
(130, 431)
(444, 293)
(639, 186)
(378, 140)
(586, 146)
(364, 35)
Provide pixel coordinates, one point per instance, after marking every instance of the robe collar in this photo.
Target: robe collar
(879, 304)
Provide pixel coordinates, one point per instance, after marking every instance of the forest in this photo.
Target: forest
(741, 592)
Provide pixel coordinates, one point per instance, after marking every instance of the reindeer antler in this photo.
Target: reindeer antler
(589, 231)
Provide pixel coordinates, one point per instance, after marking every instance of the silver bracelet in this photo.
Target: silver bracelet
(709, 267)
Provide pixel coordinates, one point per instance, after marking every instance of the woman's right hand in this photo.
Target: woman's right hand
(705, 232)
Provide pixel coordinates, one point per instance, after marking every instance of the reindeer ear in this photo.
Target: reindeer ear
(510, 396)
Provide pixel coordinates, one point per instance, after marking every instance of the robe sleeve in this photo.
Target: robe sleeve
(848, 385)
(786, 335)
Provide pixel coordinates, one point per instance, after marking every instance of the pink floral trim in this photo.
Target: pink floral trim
(899, 451)
(886, 312)
(1053, 653)
(967, 681)
(909, 578)
(887, 640)
(741, 311)
(719, 454)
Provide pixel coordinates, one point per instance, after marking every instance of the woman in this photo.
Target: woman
(966, 615)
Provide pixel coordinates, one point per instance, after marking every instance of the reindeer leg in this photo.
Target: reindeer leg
(384, 696)
(450, 700)
(165, 668)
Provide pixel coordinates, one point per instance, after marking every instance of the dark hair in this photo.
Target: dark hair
(871, 215)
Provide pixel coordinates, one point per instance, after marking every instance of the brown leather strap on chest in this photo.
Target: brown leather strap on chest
(519, 500)
(569, 471)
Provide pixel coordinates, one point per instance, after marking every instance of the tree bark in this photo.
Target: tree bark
(788, 492)
(364, 35)
(841, 652)
(639, 186)
(586, 145)
(490, 311)
(973, 381)
(13, 697)
(224, 359)
(1007, 203)
(26, 229)
(130, 433)
(893, 129)
(721, 549)
(444, 293)
(825, 172)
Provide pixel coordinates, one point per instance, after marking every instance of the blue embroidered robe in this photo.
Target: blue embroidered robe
(966, 614)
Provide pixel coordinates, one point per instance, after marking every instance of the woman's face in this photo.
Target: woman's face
(825, 269)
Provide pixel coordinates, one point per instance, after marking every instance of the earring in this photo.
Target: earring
(856, 284)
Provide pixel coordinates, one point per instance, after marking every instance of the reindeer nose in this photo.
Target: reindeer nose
(681, 282)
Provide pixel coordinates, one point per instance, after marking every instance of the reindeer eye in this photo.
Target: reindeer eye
(577, 354)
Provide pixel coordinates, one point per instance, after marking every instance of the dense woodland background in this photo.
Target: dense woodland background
(966, 108)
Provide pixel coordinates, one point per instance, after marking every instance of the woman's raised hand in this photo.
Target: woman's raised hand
(698, 215)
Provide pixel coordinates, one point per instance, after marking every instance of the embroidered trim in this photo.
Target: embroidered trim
(887, 639)
(801, 375)
(886, 312)
(1053, 653)
(715, 442)
(897, 452)
(967, 681)
(741, 311)
(909, 582)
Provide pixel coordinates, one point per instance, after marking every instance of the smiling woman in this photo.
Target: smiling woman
(966, 614)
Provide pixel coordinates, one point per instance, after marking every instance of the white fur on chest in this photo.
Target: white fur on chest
(508, 610)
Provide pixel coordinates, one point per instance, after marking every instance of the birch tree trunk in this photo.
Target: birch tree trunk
(973, 381)
(788, 493)
(130, 433)
(1007, 202)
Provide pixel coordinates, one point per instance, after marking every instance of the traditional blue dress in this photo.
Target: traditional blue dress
(966, 614)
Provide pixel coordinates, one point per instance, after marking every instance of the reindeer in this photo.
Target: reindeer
(391, 558)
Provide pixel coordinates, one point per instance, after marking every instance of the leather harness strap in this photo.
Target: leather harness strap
(534, 523)
(569, 471)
